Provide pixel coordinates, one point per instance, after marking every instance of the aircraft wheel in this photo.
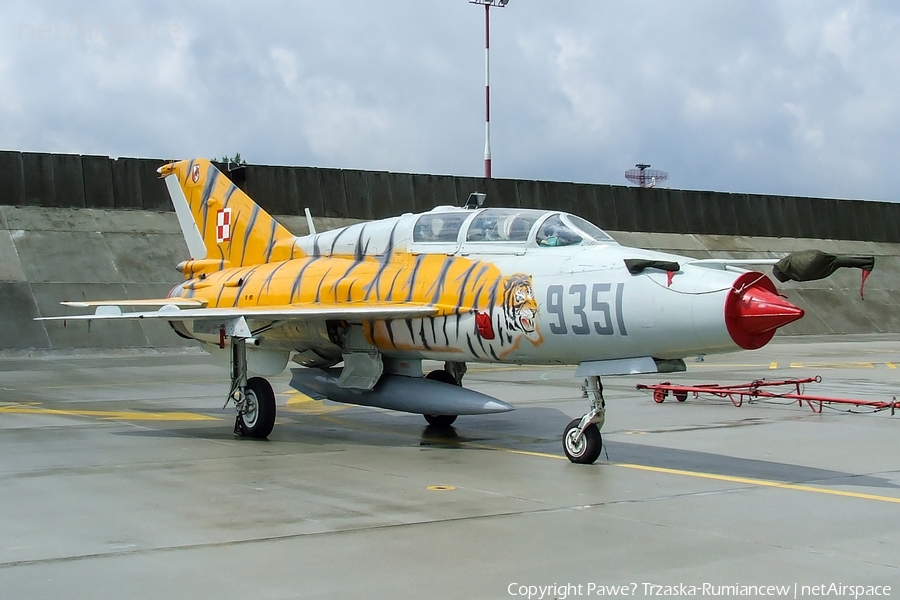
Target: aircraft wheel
(586, 450)
(440, 420)
(680, 396)
(259, 418)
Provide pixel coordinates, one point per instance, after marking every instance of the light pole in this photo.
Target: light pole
(487, 78)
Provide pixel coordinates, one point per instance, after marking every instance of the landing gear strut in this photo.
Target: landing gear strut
(452, 373)
(253, 398)
(582, 442)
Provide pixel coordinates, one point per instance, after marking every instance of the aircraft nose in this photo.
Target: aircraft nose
(754, 310)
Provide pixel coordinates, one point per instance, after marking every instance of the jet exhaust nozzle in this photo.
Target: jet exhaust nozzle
(754, 310)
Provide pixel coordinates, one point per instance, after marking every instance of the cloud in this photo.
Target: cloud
(769, 97)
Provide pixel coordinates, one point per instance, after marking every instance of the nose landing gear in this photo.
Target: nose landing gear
(582, 442)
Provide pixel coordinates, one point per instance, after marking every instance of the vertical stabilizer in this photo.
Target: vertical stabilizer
(221, 222)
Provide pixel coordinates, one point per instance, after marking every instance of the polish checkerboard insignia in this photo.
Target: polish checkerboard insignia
(223, 225)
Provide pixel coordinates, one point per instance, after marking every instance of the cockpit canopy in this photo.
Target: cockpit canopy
(516, 225)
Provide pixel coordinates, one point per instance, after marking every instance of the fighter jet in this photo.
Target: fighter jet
(357, 309)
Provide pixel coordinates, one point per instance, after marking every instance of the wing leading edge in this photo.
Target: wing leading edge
(172, 312)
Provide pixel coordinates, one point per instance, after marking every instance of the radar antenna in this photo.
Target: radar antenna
(645, 177)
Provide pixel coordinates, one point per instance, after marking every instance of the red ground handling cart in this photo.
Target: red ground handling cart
(761, 389)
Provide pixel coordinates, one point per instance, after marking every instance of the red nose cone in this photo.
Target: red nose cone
(754, 310)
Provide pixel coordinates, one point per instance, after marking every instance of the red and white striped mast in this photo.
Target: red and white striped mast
(487, 78)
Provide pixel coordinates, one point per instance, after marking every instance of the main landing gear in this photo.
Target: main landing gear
(452, 373)
(253, 398)
(582, 442)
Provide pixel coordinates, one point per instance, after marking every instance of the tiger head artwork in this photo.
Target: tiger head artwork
(520, 308)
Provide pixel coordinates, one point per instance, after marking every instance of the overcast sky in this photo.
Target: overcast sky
(792, 97)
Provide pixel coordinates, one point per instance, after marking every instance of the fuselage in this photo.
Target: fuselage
(509, 285)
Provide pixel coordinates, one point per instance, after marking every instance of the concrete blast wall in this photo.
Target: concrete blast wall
(73, 181)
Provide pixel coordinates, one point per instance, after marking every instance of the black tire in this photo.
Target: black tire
(441, 420)
(680, 396)
(587, 450)
(259, 419)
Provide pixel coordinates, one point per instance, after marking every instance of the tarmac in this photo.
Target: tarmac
(120, 477)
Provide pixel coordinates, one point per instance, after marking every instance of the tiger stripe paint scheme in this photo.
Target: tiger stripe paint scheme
(264, 265)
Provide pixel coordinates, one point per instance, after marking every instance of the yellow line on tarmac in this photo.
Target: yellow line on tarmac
(299, 402)
(762, 483)
(773, 365)
(109, 414)
(713, 476)
(891, 365)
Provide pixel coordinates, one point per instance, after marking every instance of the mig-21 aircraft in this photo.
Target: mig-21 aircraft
(454, 284)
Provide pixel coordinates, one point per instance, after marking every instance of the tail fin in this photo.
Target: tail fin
(219, 221)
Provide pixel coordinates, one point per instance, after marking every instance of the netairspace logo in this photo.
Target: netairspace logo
(558, 591)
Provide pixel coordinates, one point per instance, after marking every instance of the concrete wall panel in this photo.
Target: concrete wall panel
(677, 212)
(626, 209)
(586, 205)
(333, 196)
(783, 217)
(154, 194)
(402, 198)
(65, 256)
(147, 257)
(851, 227)
(260, 185)
(423, 192)
(98, 182)
(133, 221)
(356, 191)
(500, 192)
(750, 214)
(126, 176)
(658, 211)
(379, 184)
(526, 194)
(562, 196)
(836, 309)
(876, 231)
(294, 190)
(445, 191)
(724, 204)
(10, 265)
(68, 179)
(772, 216)
(606, 207)
(888, 216)
(828, 223)
(808, 221)
(33, 218)
(12, 179)
(40, 189)
(20, 330)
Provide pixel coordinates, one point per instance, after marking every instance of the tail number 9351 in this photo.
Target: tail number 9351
(597, 310)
